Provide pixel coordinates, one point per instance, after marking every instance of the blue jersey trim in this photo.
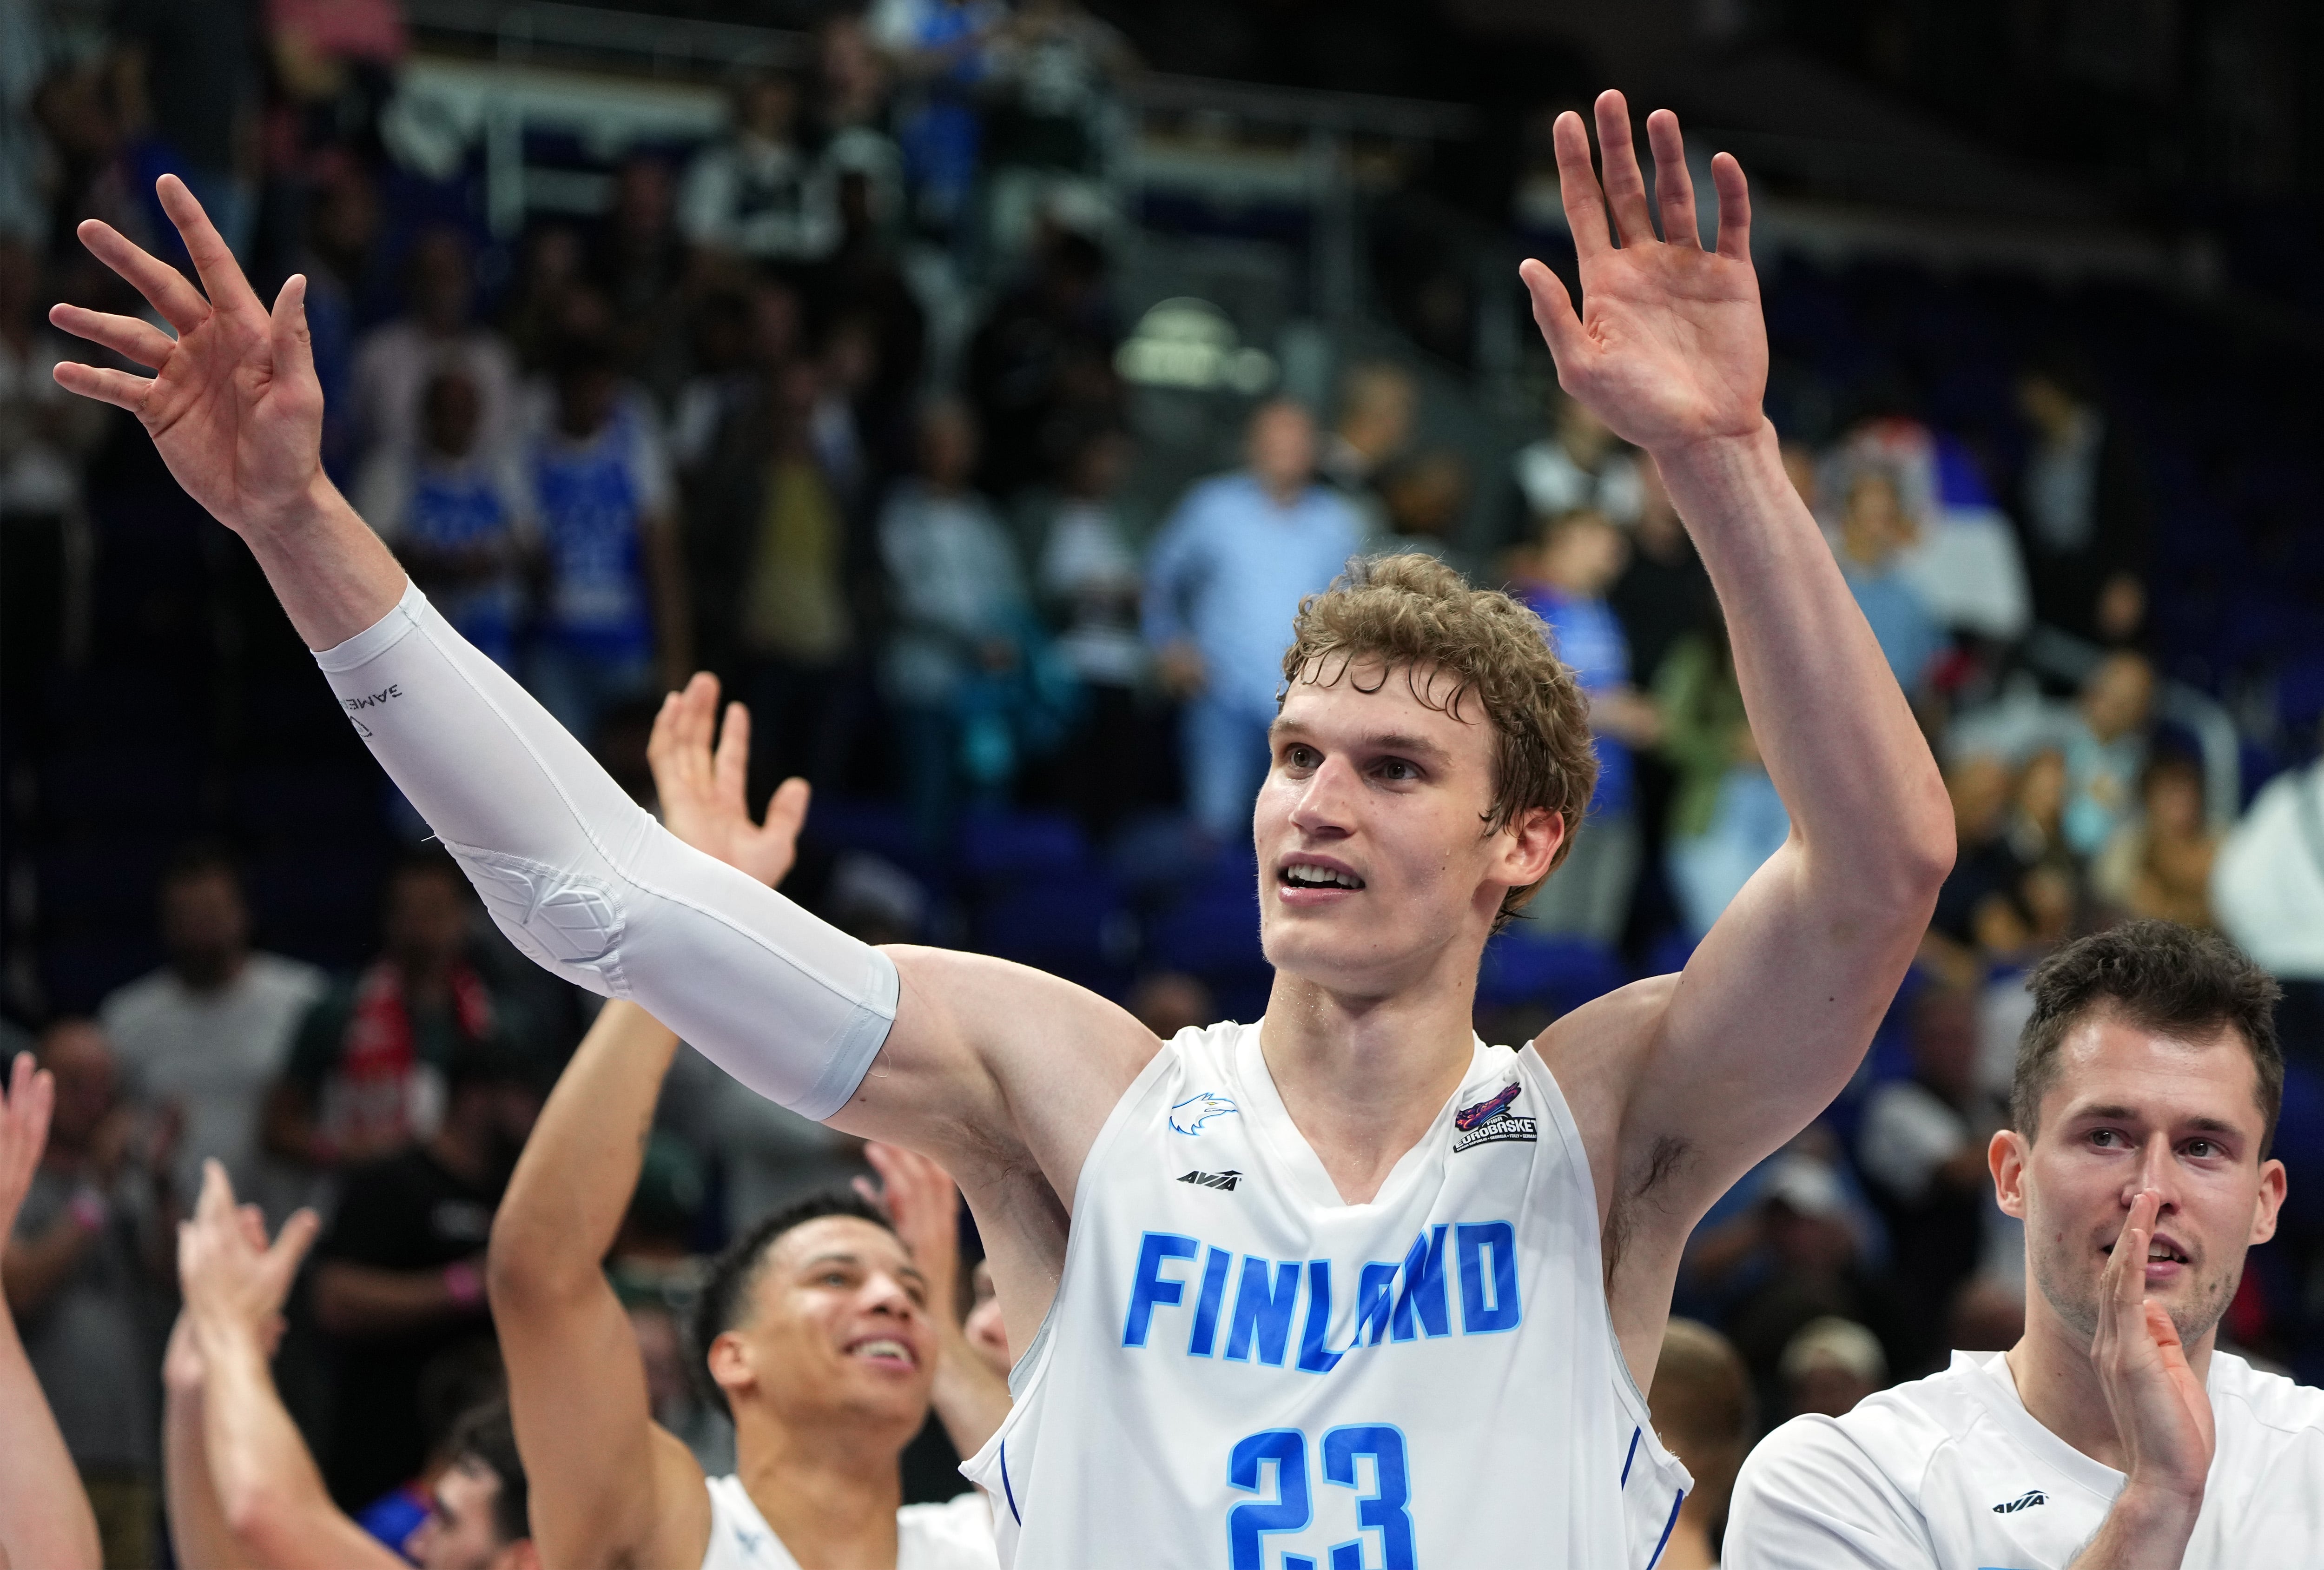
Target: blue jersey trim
(1009, 1493)
(1633, 1455)
(1664, 1541)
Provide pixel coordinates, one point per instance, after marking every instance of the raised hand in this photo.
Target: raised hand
(2161, 1413)
(233, 404)
(32, 1096)
(924, 1203)
(234, 1281)
(1670, 346)
(701, 788)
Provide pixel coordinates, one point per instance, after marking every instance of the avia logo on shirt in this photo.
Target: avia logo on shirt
(2024, 1502)
(1226, 1180)
(1190, 1114)
(1490, 1121)
(1245, 1309)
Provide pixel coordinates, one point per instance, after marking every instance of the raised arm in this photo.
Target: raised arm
(1776, 1008)
(44, 1515)
(608, 1486)
(582, 880)
(269, 1493)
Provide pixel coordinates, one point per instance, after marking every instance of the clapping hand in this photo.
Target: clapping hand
(235, 1282)
(701, 787)
(32, 1096)
(2162, 1412)
(1670, 346)
(234, 404)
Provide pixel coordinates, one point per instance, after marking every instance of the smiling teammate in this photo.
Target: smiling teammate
(2114, 1435)
(1330, 1327)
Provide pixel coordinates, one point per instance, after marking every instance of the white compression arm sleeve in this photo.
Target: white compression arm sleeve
(586, 883)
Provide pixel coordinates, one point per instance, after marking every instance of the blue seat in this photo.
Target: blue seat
(998, 845)
(1563, 972)
(1073, 926)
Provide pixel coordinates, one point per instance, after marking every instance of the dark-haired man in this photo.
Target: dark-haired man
(2114, 1435)
(825, 1328)
(243, 1492)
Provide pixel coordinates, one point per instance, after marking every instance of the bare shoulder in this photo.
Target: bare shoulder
(992, 1064)
(682, 1516)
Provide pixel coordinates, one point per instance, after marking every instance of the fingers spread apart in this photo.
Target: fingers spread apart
(125, 334)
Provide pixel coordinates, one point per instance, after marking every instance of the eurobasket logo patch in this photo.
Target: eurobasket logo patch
(1491, 1121)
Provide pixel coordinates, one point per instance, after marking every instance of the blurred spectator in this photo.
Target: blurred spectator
(1223, 579)
(1922, 1150)
(1874, 531)
(1726, 818)
(1578, 464)
(878, 338)
(209, 1031)
(939, 49)
(44, 434)
(1700, 1399)
(399, 1282)
(2083, 511)
(189, 84)
(338, 253)
(1989, 1312)
(614, 616)
(2105, 749)
(759, 193)
(458, 516)
(87, 1273)
(1830, 1366)
(637, 261)
(1089, 579)
(783, 571)
(722, 378)
(1169, 1002)
(1055, 69)
(1986, 863)
(1378, 401)
(1422, 500)
(1664, 593)
(552, 263)
(2159, 863)
(2268, 891)
(368, 1074)
(958, 660)
(853, 109)
(1040, 368)
(395, 362)
(1580, 556)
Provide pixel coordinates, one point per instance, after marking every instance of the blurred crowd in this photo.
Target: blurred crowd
(730, 422)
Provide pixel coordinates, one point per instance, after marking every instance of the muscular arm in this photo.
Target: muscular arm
(608, 1486)
(1681, 1086)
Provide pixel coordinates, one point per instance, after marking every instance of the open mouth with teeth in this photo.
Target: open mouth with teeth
(1306, 875)
(2160, 1251)
(887, 1351)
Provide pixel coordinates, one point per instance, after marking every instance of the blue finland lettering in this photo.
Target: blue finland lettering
(1394, 1303)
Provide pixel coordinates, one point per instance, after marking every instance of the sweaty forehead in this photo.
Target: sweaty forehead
(2107, 1060)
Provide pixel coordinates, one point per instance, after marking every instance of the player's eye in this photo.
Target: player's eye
(2103, 1136)
(2201, 1149)
(1299, 755)
(1398, 769)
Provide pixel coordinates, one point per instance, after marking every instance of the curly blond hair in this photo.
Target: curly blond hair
(1414, 613)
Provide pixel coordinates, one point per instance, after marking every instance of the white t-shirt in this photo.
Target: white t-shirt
(956, 1535)
(214, 1053)
(1952, 1470)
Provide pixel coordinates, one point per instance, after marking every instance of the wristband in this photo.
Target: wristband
(464, 1284)
(87, 1209)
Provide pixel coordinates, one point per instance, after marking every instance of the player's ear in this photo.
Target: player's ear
(2005, 1155)
(730, 1364)
(2272, 1183)
(1531, 842)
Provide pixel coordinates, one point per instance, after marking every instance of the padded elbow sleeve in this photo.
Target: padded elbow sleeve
(588, 884)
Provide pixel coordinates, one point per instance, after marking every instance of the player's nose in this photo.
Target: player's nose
(1325, 797)
(2157, 1169)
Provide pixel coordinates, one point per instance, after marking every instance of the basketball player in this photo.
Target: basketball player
(244, 1490)
(2114, 1435)
(1346, 1286)
(824, 1334)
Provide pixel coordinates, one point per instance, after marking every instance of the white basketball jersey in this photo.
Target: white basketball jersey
(1952, 1469)
(956, 1535)
(1241, 1371)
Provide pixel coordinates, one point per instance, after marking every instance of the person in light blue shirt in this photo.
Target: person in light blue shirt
(1226, 575)
(1874, 530)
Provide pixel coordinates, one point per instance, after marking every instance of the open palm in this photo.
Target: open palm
(1670, 346)
(233, 405)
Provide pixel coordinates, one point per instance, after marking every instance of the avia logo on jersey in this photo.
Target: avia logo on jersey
(1243, 1309)
(1490, 1121)
(1226, 1180)
(1190, 1114)
(2024, 1502)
